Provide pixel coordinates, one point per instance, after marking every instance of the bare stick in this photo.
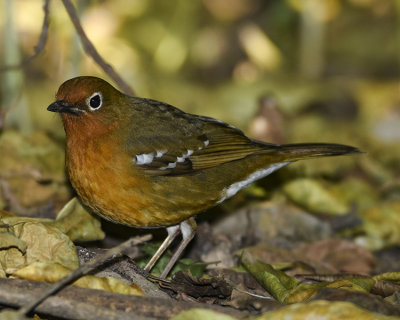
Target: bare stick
(40, 45)
(91, 50)
(84, 269)
(90, 304)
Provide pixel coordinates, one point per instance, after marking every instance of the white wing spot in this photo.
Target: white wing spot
(184, 156)
(144, 158)
(160, 153)
(206, 143)
(180, 159)
(235, 187)
(171, 165)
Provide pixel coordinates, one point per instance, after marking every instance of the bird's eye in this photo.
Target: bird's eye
(95, 101)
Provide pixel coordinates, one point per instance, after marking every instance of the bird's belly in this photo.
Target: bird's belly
(115, 193)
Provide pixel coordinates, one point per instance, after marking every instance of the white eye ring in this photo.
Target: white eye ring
(95, 101)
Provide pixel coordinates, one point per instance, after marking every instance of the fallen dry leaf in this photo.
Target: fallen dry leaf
(43, 242)
(323, 310)
(76, 222)
(52, 272)
(381, 225)
(315, 197)
(336, 255)
(202, 314)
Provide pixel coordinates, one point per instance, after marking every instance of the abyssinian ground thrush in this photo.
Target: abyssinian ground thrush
(144, 163)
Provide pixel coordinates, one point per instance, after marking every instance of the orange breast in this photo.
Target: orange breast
(103, 180)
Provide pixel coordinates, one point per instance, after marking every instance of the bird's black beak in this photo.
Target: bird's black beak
(62, 106)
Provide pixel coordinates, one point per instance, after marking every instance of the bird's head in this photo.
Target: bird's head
(88, 101)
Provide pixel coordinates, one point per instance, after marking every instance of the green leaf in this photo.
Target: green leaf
(322, 310)
(388, 276)
(313, 196)
(276, 282)
(195, 268)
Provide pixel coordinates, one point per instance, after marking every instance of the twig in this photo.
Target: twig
(40, 45)
(84, 269)
(329, 277)
(91, 50)
(89, 304)
(251, 294)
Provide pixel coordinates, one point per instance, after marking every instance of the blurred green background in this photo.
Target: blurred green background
(283, 71)
(215, 57)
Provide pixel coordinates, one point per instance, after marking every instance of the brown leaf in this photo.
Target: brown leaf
(337, 256)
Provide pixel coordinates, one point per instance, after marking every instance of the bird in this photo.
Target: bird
(147, 164)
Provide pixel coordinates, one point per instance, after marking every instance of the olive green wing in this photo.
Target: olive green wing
(217, 143)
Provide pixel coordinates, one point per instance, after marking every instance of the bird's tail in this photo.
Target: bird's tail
(293, 152)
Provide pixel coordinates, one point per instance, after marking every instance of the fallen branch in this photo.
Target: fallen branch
(82, 270)
(80, 303)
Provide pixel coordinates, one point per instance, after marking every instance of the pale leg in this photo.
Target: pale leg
(188, 230)
(173, 232)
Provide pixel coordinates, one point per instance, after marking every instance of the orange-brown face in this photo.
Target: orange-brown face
(88, 103)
